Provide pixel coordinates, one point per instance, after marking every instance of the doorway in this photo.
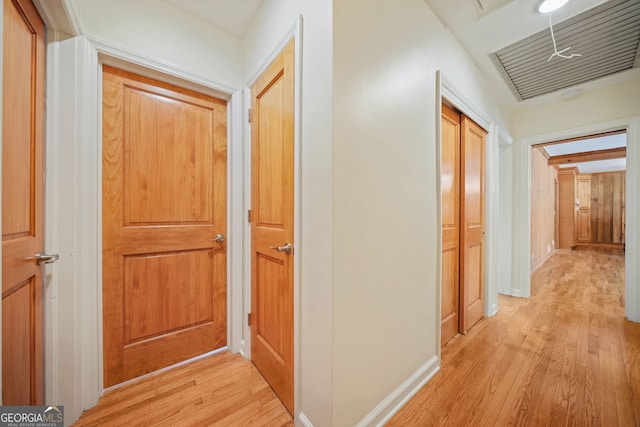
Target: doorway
(272, 223)
(462, 194)
(587, 207)
(523, 248)
(164, 224)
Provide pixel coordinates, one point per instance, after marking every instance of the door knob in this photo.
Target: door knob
(286, 248)
(219, 238)
(46, 259)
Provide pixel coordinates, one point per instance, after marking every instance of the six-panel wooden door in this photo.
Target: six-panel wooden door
(164, 202)
(272, 134)
(22, 204)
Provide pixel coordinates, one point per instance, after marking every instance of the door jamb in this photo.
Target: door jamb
(445, 89)
(293, 32)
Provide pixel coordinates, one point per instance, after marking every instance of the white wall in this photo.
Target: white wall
(385, 327)
(505, 221)
(160, 31)
(610, 104)
(266, 30)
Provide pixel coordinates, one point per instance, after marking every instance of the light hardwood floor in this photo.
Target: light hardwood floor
(566, 356)
(220, 390)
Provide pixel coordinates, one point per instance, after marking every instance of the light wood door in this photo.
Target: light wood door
(22, 204)
(272, 134)
(583, 191)
(450, 193)
(472, 218)
(164, 202)
(566, 208)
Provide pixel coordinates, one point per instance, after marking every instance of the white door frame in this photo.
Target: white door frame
(74, 298)
(294, 32)
(632, 234)
(445, 89)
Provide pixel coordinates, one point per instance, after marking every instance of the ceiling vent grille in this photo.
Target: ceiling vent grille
(606, 36)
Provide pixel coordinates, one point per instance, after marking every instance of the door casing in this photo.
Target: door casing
(82, 364)
(447, 90)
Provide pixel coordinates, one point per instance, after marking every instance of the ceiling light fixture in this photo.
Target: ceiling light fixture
(550, 5)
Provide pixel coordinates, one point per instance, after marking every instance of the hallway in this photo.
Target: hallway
(565, 356)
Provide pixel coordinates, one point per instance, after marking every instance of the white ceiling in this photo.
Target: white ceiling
(592, 144)
(232, 16)
(482, 35)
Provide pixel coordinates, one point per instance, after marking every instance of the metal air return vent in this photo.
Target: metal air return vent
(606, 36)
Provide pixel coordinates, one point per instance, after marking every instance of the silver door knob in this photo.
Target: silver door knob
(219, 238)
(45, 258)
(286, 248)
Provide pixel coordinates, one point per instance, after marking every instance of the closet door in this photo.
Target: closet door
(472, 164)
(450, 193)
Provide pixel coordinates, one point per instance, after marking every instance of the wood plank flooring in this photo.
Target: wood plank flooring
(566, 356)
(220, 390)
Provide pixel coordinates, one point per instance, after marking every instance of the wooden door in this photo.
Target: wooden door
(583, 193)
(272, 135)
(22, 204)
(472, 218)
(566, 207)
(164, 202)
(450, 193)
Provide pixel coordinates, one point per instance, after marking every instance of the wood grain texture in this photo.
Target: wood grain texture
(272, 152)
(219, 390)
(543, 207)
(565, 356)
(450, 193)
(608, 210)
(472, 177)
(566, 208)
(583, 216)
(22, 203)
(164, 200)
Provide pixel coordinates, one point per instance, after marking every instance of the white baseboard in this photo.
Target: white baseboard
(303, 420)
(396, 400)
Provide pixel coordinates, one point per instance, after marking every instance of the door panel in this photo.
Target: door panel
(22, 204)
(272, 134)
(164, 201)
(583, 191)
(472, 214)
(450, 193)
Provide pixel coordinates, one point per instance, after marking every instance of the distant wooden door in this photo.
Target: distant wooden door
(583, 191)
(272, 134)
(450, 193)
(164, 202)
(22, 204)
(472, 217)
(566, 207)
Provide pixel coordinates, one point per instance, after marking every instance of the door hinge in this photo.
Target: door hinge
(249, 114)
(249, 213)
(248, 319)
